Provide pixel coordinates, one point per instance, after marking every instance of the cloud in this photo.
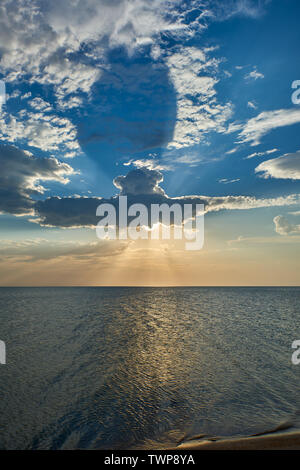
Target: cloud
(261, 154)
(40, 129)
(231, 151)
(285, 167)
(43, 39)
(20, 186)
(66, 45)
(120, 22)
(150, 164)
(248, 202)
(294, 213)
(283, 227)
(263, 240)
(251, 105)
(20, 178)
(255, 128)
(142, 186)
(254, 75)
(248, 8)
(227, 181)
(67, 211)
(141, 181)
(43, 250)
(193, 74)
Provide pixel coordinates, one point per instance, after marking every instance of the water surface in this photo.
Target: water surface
(123, 367)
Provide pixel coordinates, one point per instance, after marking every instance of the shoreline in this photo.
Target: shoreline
(278, 441)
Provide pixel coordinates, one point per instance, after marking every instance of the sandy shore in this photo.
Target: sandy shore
(278, 441)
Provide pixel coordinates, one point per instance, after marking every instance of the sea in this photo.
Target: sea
(128, 368)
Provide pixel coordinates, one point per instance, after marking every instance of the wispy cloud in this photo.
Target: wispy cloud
(254, 75)
(261, 154)
(149, 163)
(285, 167)
(34, 250)
(228, 181)
(251, 105)
(255, 128)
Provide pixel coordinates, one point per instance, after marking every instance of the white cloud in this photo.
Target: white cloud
(248, 8)
(283, 227)
(255, 128)
(68, 76)
(254, 75)
(285, 167)
(150, 164)
(123, 23)
(44, 131)
(40, 105)
(249, 202)
(40, 40)
(228, 181)
(294, 213)
(261, 154)
(231, 151)
(251, 105)
(193, 74)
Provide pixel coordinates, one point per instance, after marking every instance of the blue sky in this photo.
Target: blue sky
(198, 91)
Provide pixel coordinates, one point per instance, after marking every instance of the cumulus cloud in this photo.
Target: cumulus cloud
(285, 167)
(20, 178)
(255, 128)
(284, 227)
(140, 181)
(142, 186)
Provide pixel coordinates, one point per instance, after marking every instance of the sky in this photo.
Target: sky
(169, 101)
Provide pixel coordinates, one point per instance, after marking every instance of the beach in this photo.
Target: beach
(280, 441)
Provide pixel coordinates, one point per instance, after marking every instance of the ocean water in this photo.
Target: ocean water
(114, 368)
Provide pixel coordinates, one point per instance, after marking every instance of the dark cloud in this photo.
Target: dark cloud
(141, 181)
(68, 211)
(20, 188)
(141, 186)
(20, 178)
